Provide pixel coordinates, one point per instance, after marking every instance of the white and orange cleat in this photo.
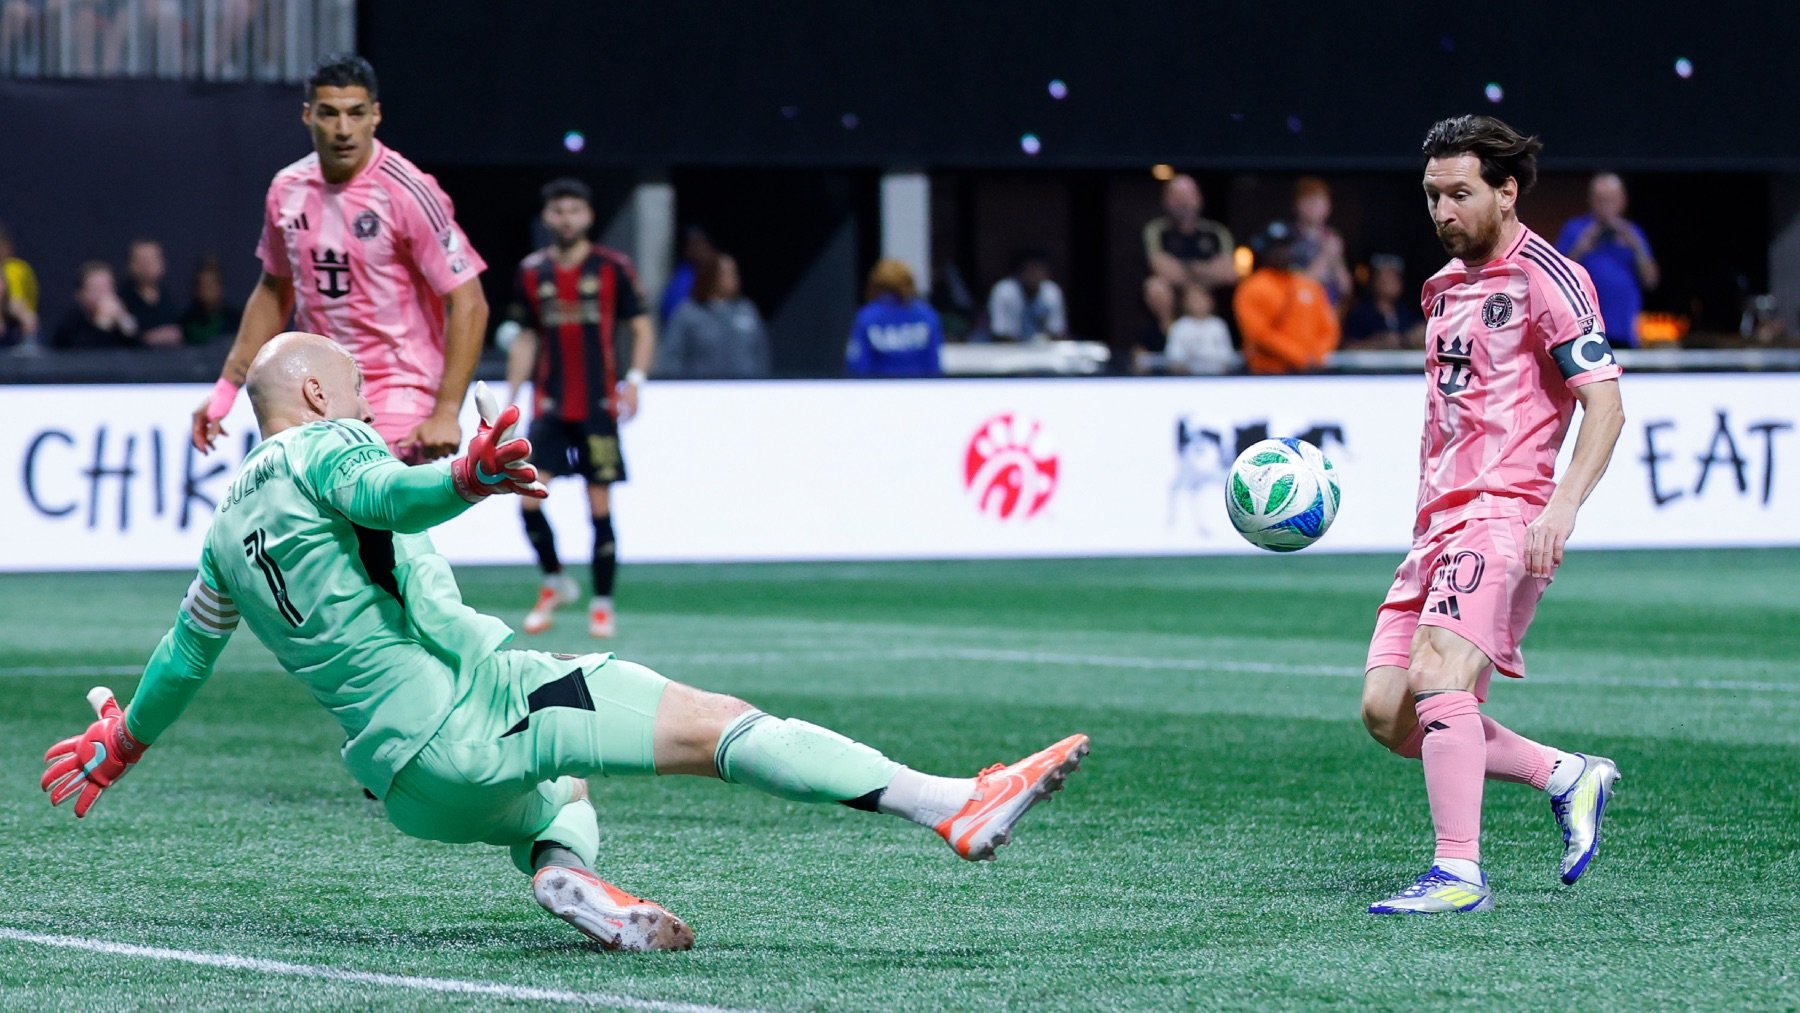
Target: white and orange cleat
(600, 618)
(1003, 793)
(608, 915)
(559, 589)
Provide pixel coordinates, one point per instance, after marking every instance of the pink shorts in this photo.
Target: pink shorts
(1468, 577)
(399, 411)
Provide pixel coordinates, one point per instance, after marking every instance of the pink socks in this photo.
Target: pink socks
(1513, 757)
(1510, 756)
(1455, 757)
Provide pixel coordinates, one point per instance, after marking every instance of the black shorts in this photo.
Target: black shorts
(589, 448)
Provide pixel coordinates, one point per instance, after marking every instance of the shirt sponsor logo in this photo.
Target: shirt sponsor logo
(367, 226)
(1497, 310)
(332, 267)
(1010, 467)
(1455, 360)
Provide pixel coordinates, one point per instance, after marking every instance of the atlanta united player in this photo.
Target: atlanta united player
(1514, 341)
(358, 244)
(569, 300)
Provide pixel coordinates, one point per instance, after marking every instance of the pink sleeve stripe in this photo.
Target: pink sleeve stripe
(1557, 268)
(434, 211)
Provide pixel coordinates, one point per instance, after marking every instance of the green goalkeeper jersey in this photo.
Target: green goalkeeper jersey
(318, 545)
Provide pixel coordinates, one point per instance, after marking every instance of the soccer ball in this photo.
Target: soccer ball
(1282, 495)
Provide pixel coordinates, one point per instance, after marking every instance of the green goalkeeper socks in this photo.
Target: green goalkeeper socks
(797, 760)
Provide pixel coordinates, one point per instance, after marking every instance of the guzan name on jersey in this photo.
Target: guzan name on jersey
(1506, 344)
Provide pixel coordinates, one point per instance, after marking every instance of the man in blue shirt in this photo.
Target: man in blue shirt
(896, 333)
(1616, 255)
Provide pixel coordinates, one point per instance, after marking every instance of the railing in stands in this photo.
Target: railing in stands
(196, 40)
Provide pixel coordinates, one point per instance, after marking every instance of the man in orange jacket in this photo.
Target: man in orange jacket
(1286, 319)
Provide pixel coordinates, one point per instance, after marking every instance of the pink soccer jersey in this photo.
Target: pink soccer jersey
(371, 260)
(1506, 344)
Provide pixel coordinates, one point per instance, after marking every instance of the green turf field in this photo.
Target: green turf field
(1216, 850)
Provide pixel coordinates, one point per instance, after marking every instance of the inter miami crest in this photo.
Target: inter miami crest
(1454, 366)
(1497, 310)
(367, 225)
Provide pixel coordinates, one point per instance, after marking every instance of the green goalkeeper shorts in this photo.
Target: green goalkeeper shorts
(503, 768)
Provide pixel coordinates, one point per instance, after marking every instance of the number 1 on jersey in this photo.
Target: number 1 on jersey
(256, 547)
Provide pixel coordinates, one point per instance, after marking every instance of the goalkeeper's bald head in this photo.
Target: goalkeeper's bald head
(299, 378)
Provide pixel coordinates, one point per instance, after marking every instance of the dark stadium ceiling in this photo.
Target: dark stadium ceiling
(1078, 83)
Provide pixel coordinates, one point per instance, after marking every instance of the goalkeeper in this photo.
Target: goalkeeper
(319, 546)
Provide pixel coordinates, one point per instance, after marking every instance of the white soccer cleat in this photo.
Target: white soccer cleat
(608, 915)
(1435, 893)
(558, 590)
(1004, 792)
(1578, 813)
(601, 624)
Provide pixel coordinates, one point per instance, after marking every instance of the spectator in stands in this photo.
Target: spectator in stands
(1181, 249)
(1286, 319)
(1026, 305)
(18, 325)
(1199, 342)
(697, 251)
(21, 280)
(158, 321)
(208, 316)
(98, 319)
(716, 334)
(1616, 255)
(895, 333)
(1386, 316)
(1184, 249)
(1319, 249)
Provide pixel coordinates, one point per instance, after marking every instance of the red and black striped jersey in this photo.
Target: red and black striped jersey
(575, 312)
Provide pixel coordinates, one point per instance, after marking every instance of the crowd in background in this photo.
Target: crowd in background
(1286, 307)
(1282, 303)
(130, 308)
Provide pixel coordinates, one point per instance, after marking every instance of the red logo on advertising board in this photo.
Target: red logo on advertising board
(1010, 467)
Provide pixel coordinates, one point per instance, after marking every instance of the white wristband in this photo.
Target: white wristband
(636, 377)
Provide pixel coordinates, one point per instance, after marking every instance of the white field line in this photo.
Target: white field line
(1023, 657)
(454, 985)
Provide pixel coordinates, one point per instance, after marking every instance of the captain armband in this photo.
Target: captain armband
(1585, 354)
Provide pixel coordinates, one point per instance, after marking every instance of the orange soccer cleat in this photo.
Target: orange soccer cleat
(1003, 793)
(608, 915)
(557, 590)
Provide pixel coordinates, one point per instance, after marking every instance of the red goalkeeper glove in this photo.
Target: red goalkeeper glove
(86, 764)
(496, 459)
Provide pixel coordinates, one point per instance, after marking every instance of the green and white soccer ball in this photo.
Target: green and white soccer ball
(1282, 495)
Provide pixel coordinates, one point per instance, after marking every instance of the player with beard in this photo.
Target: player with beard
(359, 244)
(1514, 342)
(568, 300)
